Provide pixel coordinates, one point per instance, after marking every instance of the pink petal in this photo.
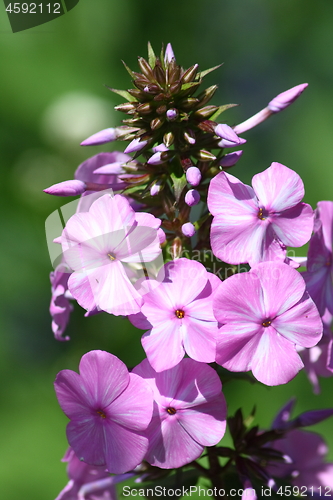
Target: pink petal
(294, 226)
(188, 278)
(278, 187)
(71, 394)
(301, 324)
(211, 415)
(236, 346)
(226, 192)
(200, 340)
(325, 209)
(170, 446)
(275, 361)
(163, 346)
(133, 408)
(124, 449)
(239, 299)
(282, 286)
(87, 438)
(104, 376)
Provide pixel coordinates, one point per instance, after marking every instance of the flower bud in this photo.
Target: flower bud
(225, 132)
(156, 123)
(188, 229)
(230, 159)
(190, 73)
(168, 139)
(101, 137)
(189, 137)
(169, 55)
(192, 197)
(144, 109)
(135, 145)
(160, 148)
(176, 248)
(193, 176)
(204, 155)
(67, 188)
(127, 107)
(228, 144)
(286, 98)
(159, 158)
(155, 188)
(172, 114)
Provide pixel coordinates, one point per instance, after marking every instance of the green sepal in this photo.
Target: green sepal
(151, 56)
(188, 85)
(123, 93)
(202, 74)
(221, 109)
(129, 71)
(178, 184)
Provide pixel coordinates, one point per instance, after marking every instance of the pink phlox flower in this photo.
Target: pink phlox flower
(318, 359)
(179, 315)
(85, 478)
(253, 224)
(189, 412)
(60, 306)
(319, 274)
(101, 246)
(108, 409)
(265, 314)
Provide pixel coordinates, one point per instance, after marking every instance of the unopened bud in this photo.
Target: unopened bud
(190, 74)
(189, 137)
(168, 139)
(155, 188)
(101, 137)
(135, 145)
(160, 157)
(172, 114)
(160, 148)
(193, 176)
(225, 132)
(188, 103)
(204, 155)
(169, 55)
(144, 109)
(127, 107)
(67, 188)
(207, 94)
(286, 98)
(192, 197)
(188, 229)
(156, 123)
(230, 159)
(176, 248)
(206, 112)
(145, 68)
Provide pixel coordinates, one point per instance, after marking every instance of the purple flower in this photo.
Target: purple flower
(101, 246)
(307, 467)
(179, 314)
(60, 307)
(87, 481)
(252, 225)
(230, 159)
(108, 409)
(225, 132)
(265, 313)
(135, 145)
(101, 137)
(319, 274)
(67, 188)
(189, 412)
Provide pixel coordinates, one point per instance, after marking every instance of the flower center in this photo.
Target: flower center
(111, 256)
(261, 214)
(171, 410)
(179, 313)
(266, 323)
(101, 413)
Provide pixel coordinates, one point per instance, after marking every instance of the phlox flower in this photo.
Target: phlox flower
(319, 274)
(265, 313)
(60, 306)
(179, 316)
(108, 409)
(253, 224)
(189, 412)
(86, 482)
(100, 245)
(307, 467)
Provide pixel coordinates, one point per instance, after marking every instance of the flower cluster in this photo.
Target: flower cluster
(132, 254)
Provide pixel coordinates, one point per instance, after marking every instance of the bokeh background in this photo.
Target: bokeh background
(52, 96)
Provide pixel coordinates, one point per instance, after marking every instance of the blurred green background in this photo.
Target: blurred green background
(52, 97)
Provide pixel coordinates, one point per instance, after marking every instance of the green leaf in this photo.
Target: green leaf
(123, 93)
(178, 184)
(221, 109)
(151, 56)
(207, 71)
